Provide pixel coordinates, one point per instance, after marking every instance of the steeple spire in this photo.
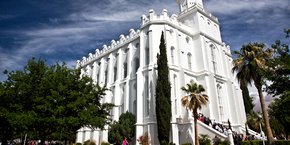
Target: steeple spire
(185, 4)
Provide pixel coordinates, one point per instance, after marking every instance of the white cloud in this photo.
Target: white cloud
(232, 7)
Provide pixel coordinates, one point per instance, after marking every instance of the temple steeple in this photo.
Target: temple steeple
(186, 4)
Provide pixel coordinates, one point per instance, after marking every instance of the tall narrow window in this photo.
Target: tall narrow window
(220, 102)
(106, 77)
(135, 100)
(213, 58)
(122, 107)
(172, 55)
(147, 56)
(189, 61)
(98, 74)
(137, 64)
(125, 69)
(175, 95)
(115, 73)
(147, 98)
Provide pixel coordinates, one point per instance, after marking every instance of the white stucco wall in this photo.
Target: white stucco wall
(190, 38)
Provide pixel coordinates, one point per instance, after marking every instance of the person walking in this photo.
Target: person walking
(125, 142)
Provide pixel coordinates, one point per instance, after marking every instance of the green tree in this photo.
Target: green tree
(194, 100)
(279, 76)
(278, 128)
(125, 127)
(250, 65)
(53, 99)
(248, 101)
(279, 71)
(163, 94)
(280, 110)
(254, 120)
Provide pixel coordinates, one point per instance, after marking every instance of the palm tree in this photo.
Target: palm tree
(254, 121)
(250, 66)
(193, 101)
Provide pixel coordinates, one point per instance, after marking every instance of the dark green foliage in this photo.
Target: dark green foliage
(125, 127)
(260, 142)
(278, 74)
(105, 143)
(204, 139)
(163, 94)
(280, 110)
(186, 144)
(278, 128)
(50, 102)
(166, 143)
(280, 70)
(89, 142)
(248, 101)
(78, 143)
(218, 141)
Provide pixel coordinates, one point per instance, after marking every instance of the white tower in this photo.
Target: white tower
(185, 4)
(194, 15)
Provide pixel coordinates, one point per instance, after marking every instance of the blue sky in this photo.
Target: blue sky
(67, 30)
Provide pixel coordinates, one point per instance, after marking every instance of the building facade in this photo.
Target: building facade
(195, 52)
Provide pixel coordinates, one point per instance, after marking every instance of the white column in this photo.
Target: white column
(230, 137)
(140, 87)
(79, 136)
(96, 136)
(105, 134)
(175, 133)
(87, 133)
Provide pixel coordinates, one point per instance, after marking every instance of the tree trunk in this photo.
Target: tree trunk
(265, 116)
(195, 130)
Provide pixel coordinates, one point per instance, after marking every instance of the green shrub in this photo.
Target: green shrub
(282, 142)
(218, 141)
(260, 142)
(89, 142)
(105, 143)
(186, 144)
(78, 143)
(166, 143)
(204, 139)
(225, 142)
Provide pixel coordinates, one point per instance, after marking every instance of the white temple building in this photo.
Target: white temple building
(195, 51)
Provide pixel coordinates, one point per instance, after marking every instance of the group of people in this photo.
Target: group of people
(217, 126)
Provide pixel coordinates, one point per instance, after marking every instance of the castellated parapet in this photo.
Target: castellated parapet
(145, 20)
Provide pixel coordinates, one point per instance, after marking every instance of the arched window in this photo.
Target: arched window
(187, 39)
(189, 61)
(125, 62)
(213, 58)
(137, 45)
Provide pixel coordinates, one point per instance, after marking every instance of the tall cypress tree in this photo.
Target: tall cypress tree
(248, 101)
(163, 94)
